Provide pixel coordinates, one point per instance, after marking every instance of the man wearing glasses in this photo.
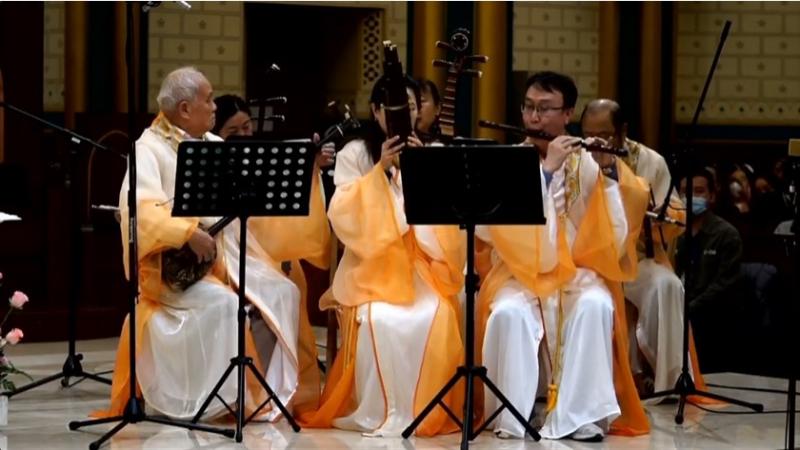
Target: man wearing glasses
(548, 294)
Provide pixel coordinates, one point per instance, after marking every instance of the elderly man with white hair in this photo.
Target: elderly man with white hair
(186, 339)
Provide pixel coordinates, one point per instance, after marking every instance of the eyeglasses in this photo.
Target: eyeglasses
(541, 110)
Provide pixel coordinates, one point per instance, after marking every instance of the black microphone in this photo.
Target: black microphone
(147, 6)
(150, 5)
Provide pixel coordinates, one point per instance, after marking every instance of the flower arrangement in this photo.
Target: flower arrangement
(16, 302)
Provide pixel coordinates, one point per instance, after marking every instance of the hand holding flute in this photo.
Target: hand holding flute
(558, 150)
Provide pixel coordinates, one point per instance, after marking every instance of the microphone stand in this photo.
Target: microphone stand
(75, 138)
(685, 386)
(134, 411)
(72, 367)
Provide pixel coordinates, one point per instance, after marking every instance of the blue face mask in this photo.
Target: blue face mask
(699, 204)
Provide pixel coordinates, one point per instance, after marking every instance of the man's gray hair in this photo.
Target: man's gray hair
(180, 85)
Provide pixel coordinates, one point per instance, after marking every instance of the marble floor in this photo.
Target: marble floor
(38, 419)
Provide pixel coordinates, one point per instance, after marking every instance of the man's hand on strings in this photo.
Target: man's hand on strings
(203, 245)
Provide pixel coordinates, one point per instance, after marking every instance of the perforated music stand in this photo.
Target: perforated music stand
(471, 142)
(243, 179)
(467, 186)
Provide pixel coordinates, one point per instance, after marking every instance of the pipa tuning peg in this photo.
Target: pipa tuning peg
(444, 45)
(474, 73)
(477, 58)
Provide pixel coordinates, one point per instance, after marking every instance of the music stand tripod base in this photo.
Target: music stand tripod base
(72, 368)
(685, 387)
(134, 413)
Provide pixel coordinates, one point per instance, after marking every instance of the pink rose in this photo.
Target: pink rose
(14, 336)
(18, 300)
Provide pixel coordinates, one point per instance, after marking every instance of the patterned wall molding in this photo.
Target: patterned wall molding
(394, 17)
(53, 86)
(209, 36)
(757, 81)
(389, 21)
(560, 36)
(372, 32)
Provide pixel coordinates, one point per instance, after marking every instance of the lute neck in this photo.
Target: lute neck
(447, 117)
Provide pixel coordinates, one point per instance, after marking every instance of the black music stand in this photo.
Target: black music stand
(467, 186)
(471, 142)
(243, 179)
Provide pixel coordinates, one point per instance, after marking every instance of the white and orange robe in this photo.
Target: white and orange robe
(185, 340)
(396, 293)
(564, 275)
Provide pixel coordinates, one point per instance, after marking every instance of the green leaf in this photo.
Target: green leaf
(10, 369)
